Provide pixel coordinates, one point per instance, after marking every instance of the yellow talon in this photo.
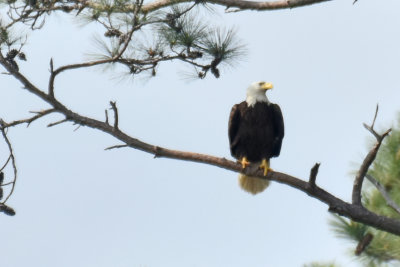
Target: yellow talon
(265, 165)
(244, 162)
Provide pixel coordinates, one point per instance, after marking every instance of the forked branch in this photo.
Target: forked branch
(356, 195)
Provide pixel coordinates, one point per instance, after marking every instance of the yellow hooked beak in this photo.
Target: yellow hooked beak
(267, 86)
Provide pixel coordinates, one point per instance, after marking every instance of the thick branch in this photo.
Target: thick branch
(240, 4)
(352, 211)
(159, 4)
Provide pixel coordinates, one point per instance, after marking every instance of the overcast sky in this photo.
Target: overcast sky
(78, 205)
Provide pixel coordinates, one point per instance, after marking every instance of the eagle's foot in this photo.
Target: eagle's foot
(245, 163)
(265, 166)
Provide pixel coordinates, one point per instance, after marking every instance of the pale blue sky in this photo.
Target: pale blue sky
(78, 205)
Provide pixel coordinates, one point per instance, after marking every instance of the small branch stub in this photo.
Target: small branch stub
(114, 108)
(313, 174)
(106, 113)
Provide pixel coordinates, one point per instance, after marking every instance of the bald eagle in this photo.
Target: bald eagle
(255, 131)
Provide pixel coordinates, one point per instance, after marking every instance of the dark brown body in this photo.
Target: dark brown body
(255, 132)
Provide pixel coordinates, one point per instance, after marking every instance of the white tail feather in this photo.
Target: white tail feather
(253, 185)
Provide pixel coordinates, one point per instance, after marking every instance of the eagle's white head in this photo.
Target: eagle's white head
(256, 93)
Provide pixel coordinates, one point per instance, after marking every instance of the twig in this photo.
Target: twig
(114, 108)
(376, 114)
(51, 80)
(371, 128)
(116, 146)
(5, 164)
(57, 123)
(10, 149)
(384, 193)
(106, 117)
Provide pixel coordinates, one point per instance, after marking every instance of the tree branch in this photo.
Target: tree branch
(79, 5)
(240, 4)
(357, 186)
(38, 115)
(352, 211)
(7, 210)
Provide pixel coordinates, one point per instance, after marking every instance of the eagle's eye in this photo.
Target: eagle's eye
(261, 83)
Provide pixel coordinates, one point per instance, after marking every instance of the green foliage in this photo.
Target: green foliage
(384, 248)
(184, 34)
(348, 229)
(222, 45)
(184, 31)
(3, 35)
(386, 169)
(136, 39)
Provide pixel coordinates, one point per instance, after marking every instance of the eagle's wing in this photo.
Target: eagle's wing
(279, 129)
(233, 127)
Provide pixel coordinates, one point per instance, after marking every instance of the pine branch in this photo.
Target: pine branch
(239, 4)
(384, 193)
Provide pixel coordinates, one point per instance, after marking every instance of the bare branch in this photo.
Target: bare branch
(116, 146)
(353, 211)
(4, 165)
(384, 193)
(376, 114)
(371, 128)
(38, 115)
(56, 123)
(10, 149)
(357, 186)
